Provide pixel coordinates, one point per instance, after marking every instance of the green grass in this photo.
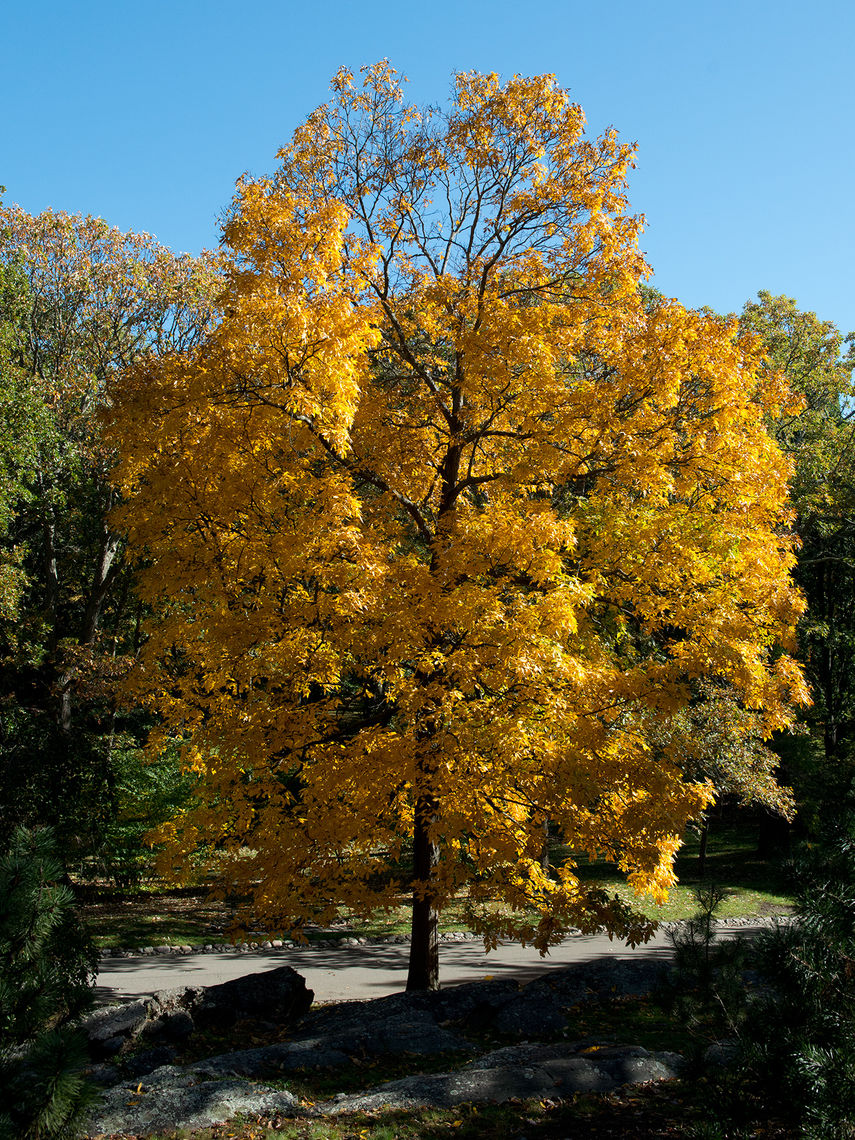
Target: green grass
(147, 930)
(754, 886)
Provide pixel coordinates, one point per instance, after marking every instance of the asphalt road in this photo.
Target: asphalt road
(342, 973)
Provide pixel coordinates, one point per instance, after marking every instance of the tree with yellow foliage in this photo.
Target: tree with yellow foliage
(445, 526)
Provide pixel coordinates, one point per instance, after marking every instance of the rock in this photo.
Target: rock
(341, 1045)
(470, 1006)
(597, 981)
(475, 1004)
(285, 1057)
(632, 1065)
(279, 996)
(415, 1032)
(517, 1071)
(171, 1097)
(111, 1028)
(441, 1090)
(179, 997)
(171, 1024)
(722, 1054)
(529, 1016)
(145, 1061)
(103, 1074)
(110, 1047)
(271, 999)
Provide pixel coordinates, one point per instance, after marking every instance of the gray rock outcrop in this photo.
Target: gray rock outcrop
(518, 1071)
(202, 1095)
(172, 1097)
(143, 1094)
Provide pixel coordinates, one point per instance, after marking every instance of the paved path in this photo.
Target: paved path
(342, 973)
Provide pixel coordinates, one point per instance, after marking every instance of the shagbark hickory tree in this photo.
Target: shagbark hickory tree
(442, 523)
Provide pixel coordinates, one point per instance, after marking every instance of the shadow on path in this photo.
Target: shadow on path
(340, 973)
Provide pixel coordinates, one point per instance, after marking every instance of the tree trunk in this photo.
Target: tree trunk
(424, 942)
(104, 573)
(51, 574)
(545, 864)
(702, 848)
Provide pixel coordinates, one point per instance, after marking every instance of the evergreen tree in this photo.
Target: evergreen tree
(787, 1003)
(800, 1037)
(47, 966)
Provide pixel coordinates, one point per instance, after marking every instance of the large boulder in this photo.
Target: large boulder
(274, 997)
(113, 1027)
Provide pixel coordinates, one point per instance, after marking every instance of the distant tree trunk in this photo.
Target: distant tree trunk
(104, 573)
(545, 863)
(424, 942)
(702, 849)
(51, 577)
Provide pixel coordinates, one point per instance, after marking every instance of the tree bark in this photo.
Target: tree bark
(424, 941)
(51, 574)
(545, 864)
(104, 573)
(702, 848)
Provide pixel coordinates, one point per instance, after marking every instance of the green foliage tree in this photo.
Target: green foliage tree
(148, 791)
(817, 360)
(47, 967)
(24, 427)
(78, 299)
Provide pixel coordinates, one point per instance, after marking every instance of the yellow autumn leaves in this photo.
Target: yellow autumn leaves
(445, 511)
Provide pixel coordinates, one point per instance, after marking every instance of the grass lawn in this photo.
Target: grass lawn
(755, 886)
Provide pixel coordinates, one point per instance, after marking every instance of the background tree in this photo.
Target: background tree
(817, 360)
(445, 522)
(793, 1032)
(23, 424)
(79, 299)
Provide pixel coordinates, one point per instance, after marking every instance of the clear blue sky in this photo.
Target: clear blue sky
(146, 113)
